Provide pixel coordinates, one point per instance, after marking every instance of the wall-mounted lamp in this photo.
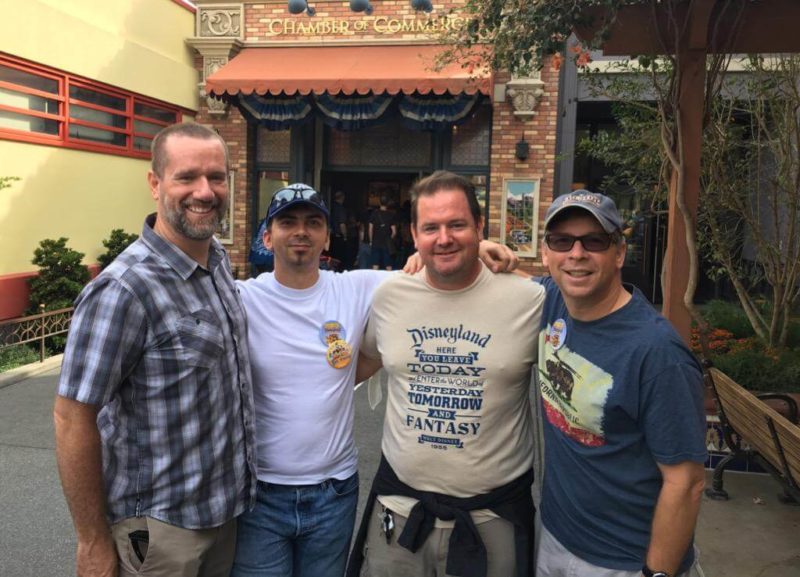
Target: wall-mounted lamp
(522, 148)
(361, 6)
(424, 5)
(300, 6)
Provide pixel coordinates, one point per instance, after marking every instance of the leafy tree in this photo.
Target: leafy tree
(117, 242)
(751, 190)
(61, 275)
(749, 217)
(520, 35)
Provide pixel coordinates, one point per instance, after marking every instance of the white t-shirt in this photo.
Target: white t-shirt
(458, 418)
(304, 406)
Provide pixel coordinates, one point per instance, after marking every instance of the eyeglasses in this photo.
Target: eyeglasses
(592, 242)
(291, 193)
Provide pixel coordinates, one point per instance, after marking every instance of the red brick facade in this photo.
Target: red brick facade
(394, 22)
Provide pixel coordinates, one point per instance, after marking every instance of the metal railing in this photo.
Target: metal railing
(34, 328)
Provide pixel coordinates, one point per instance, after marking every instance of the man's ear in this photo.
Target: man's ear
(545, 255)
(622, 250)
(153, 182)
(267, 238)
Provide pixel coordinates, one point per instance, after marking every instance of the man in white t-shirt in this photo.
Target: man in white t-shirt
(452, 495)
(304, 330)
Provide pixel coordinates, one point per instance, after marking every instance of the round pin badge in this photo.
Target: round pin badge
(558, 333)
(331, 331)
(339, 354)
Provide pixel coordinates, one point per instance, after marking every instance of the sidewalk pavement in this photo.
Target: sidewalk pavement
(752, 535)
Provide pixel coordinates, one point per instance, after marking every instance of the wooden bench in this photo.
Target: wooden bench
(754, 429)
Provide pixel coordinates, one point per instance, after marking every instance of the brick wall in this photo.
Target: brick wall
(233, 129)
(388, 16)
(540, 133)
(393, 20)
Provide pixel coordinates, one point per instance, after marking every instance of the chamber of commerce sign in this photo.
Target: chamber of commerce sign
(371, 25)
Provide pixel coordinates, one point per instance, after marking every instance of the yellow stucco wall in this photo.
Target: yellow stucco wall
(138, 45)
(71, 193)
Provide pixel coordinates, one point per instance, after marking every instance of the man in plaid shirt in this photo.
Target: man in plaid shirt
(154, 414)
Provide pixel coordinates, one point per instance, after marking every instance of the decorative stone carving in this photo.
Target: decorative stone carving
(216, 53)
(216, 107)
(525, 94)
(213, 63)
(219, 20)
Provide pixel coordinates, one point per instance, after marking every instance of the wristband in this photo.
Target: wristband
(647, 572)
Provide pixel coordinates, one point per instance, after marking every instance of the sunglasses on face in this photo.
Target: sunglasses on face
(592, 242)
(287, 195)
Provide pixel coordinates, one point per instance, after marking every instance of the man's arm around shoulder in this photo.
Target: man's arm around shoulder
(79, 459)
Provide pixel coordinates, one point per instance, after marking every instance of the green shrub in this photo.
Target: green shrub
(757, 369)
(794, 334)
(117, 241)
(17, 356)
(61, 275)
(61, 278)
(729, 316)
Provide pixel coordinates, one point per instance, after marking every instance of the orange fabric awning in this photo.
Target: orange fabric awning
(345, 69)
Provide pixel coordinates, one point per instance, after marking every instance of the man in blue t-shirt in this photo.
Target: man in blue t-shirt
(622, 399)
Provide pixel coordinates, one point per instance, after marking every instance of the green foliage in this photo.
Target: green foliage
(633, 151)
(61, 275)
(520, 34)
(735, 350)
(17, 356)
(5, 181)
(117, 242)
(758, 370)
(728, 316)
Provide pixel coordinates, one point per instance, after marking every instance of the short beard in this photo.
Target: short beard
(182, 225)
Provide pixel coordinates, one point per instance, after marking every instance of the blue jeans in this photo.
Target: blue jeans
(297, 530)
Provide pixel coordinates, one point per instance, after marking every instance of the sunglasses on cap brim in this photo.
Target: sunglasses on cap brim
(286, 195)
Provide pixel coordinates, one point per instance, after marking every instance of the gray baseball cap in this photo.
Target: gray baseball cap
(599, 205)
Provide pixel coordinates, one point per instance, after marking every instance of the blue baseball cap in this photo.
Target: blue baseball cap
(295, 194)
(599, 205)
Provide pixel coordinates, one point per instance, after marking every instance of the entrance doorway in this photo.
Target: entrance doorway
(362, 195)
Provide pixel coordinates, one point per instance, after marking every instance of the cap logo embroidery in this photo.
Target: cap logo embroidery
(583, 197)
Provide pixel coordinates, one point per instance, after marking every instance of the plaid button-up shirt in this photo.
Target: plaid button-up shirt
(159, 343)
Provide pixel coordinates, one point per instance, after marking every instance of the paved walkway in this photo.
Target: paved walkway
(752, 535)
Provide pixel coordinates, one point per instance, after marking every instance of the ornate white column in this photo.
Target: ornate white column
(219, 30)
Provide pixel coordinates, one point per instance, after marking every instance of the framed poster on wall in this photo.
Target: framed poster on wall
(225, 229)
(519, 215)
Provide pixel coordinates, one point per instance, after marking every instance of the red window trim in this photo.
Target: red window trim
(62, 139)
(187, 5)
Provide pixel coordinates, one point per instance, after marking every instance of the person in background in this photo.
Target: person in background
(382, 232)
(340, 247)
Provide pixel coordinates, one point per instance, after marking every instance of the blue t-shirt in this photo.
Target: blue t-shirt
(619, 394)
